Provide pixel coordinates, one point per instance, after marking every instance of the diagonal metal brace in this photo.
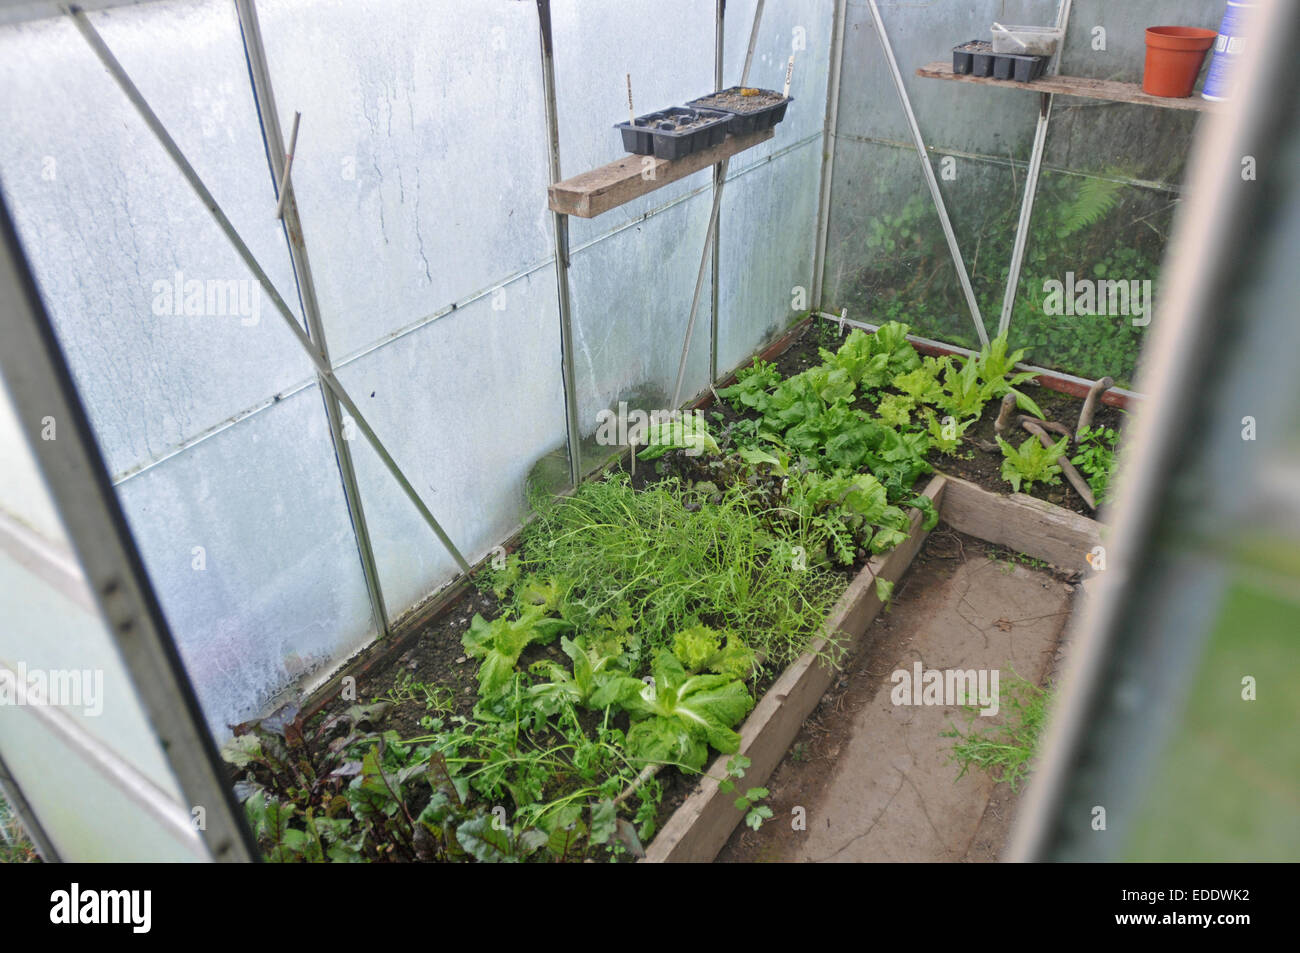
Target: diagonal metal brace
(326, 372)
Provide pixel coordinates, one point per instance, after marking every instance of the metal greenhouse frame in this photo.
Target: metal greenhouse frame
(102, 566)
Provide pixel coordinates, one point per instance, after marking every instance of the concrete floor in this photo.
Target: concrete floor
(874, 777)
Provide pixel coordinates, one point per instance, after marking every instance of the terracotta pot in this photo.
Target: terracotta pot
(1174, 58)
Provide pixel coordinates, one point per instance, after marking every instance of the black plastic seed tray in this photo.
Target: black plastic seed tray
(675, 132)
(1022, 69)
(753, 109)
(977, 58)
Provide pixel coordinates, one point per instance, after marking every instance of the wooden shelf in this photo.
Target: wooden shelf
(1074, 86)
(591, 193)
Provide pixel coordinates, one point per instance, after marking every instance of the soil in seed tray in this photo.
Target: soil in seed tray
(976, 46)
(682, 123)
(736, 102)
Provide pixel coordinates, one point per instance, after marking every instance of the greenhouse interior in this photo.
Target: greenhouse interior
(682, 431)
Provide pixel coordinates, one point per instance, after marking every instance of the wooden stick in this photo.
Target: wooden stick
(1004, 415)
(648, 772)
(1076, 480)
(1051, 425)
(1090, 404)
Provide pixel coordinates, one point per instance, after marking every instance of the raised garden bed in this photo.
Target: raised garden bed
(802, 347)
(483, 707)
(753, 109)
(1021, 524)
(699, 828)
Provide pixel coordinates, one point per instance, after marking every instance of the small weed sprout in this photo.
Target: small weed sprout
(1004, 751)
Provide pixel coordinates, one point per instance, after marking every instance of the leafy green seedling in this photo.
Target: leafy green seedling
(755, 813)
(680, 715)
(1031, 462)
(500, 642)
(699, 648)
(1095, 456)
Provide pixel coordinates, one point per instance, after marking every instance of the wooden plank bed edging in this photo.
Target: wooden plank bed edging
(1021, 523)
(699, 828)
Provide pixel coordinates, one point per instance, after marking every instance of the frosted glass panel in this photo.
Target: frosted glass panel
(800, 29)
(974, 118)
(22, 491)
(50, 627)
(631, 302)
(279, 596)
(86, 818)
(886, 257)
(469, 405)
(421, 169)
(885, 249)
(668, 49)
(766, 247)
(72, 639)
(187, 58)
(1125, 25)
(112, 231)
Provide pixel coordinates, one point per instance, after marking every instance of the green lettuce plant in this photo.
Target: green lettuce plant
(700, 648)
(896, 409)
(500, 642)
(752, 387)
(598, 680)
(946, 437)
(1031, 462)
(678, 715)
(688, 432)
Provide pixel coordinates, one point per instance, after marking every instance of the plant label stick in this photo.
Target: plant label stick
(632, 446)
(631, 113)
(844, 316)
(789, 72)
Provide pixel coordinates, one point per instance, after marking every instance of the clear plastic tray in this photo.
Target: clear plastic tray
(1038, 40)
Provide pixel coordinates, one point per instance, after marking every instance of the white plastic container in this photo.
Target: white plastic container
(1037, 40)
